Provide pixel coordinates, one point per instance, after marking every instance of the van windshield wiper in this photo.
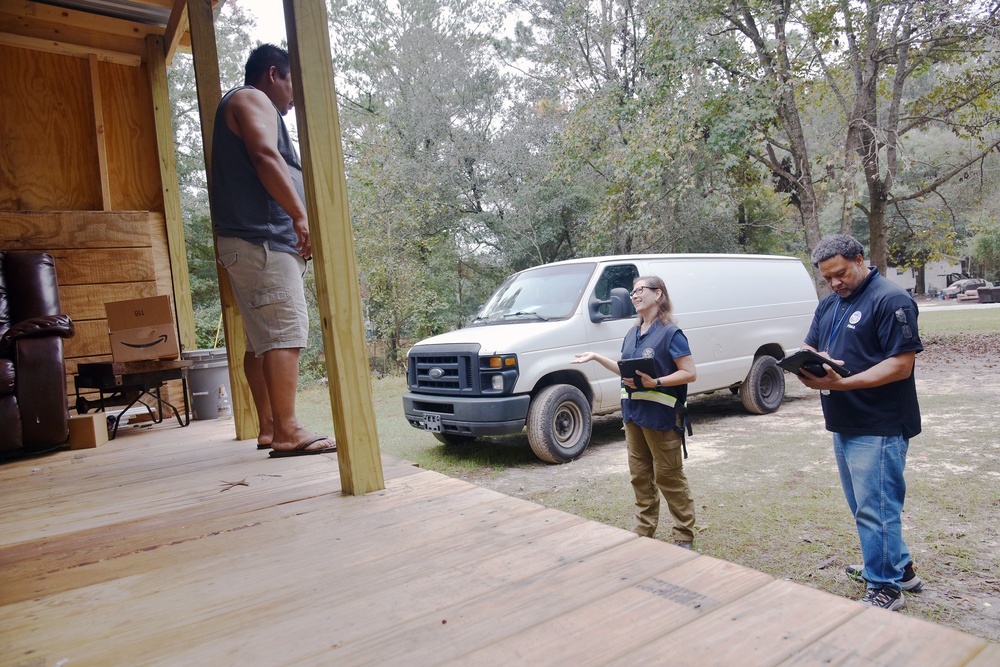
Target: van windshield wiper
(522, 313)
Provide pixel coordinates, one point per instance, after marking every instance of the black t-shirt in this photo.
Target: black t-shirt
(878, 321)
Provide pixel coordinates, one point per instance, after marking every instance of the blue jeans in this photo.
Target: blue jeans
(871, 472)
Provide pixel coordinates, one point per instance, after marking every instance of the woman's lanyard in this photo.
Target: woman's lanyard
(837, 323)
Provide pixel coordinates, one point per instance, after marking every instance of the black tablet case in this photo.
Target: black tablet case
(813, 363)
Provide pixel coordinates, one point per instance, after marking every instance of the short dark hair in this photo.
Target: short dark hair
(262, 59)
(837, 244)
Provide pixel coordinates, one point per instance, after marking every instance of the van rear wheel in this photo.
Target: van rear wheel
(559, 423)
(764, 387)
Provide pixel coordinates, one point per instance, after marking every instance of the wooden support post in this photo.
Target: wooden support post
(156, 68)
(206, 70)
(97, 101)
(339, 299)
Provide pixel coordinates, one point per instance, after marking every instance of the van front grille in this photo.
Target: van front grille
(439, 373)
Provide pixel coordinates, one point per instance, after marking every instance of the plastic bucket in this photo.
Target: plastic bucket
(211, 369)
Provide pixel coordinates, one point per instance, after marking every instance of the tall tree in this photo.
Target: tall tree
(907, 66)
(628, 75)
(422, 100)
(894, 67)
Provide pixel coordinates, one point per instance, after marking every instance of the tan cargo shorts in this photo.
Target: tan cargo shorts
(270, 293)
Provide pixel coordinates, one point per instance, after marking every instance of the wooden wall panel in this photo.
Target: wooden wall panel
(161, 253)
(50, 230)
(48, 157)
(86, 302)
(100, 257)
(104, 265)
(91, 340)
(130, 132)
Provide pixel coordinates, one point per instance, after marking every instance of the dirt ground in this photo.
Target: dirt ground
(771, 481)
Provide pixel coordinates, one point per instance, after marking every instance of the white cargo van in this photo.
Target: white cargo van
(511, 369)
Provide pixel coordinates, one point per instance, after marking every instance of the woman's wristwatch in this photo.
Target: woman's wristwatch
(658, 383)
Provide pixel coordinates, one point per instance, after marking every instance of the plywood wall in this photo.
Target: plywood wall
(50, 137)
(130, 135)
(100, 257)
(48, 155)
(80, 179)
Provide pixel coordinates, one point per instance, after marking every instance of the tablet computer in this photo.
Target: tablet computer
(811, 362)
(628, 368)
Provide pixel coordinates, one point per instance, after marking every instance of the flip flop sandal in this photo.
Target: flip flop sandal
(300, 449)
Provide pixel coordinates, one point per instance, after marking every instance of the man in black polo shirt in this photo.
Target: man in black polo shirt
(870, 326)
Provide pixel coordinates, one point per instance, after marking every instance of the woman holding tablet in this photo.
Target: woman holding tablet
(653, 409)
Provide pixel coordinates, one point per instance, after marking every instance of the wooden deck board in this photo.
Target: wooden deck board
(627, 620)
(137, 553)
(892, 639)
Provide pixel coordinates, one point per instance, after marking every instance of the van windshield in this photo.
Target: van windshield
(539, 294)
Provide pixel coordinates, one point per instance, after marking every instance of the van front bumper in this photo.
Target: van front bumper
(466, 416)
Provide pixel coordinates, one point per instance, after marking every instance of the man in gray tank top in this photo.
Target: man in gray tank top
(262, 237)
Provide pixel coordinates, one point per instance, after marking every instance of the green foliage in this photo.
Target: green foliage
(986, 252)
(423, 104)
(475, 149)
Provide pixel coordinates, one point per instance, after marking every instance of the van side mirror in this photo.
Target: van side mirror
(620, 305)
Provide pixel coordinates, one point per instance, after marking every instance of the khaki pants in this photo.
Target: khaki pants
(656, 462)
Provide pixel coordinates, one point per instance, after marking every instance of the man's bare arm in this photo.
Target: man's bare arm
(252, 117)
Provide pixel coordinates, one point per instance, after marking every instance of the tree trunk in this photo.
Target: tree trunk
(878, 251)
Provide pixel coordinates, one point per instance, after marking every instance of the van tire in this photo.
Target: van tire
(764, 387)
(454, 439)
(559, 422)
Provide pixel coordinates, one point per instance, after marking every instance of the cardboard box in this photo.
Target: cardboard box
(88, 431)
(142, 329)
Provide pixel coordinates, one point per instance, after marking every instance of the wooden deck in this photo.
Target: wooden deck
(142, 551)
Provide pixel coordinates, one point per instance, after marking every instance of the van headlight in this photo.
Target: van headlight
(498, 374)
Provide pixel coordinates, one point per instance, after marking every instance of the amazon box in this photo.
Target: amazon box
(142, 329)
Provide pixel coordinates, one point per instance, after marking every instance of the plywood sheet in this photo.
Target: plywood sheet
(53, 230)
(104, 265)
(46, 133)
(130, 131)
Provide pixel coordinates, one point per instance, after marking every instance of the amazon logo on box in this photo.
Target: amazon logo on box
(142, 329)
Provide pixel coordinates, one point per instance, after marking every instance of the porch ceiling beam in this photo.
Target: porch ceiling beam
(31, 15)
(176, 27)
(66, 49)
(72, 32)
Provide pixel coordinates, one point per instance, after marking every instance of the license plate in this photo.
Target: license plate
(432, 423)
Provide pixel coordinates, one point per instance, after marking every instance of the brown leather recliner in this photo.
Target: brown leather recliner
(34, 416)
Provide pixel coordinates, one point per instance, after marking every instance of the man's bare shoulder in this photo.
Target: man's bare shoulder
(250, 98)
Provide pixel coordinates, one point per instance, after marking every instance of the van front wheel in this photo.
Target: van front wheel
(559, 423)
(764, 387)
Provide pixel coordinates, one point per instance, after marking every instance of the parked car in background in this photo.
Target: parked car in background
(962, 286)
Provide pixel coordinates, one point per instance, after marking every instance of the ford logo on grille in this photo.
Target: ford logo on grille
(436, 373)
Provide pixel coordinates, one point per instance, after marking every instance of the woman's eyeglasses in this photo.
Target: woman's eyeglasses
(638, 290)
